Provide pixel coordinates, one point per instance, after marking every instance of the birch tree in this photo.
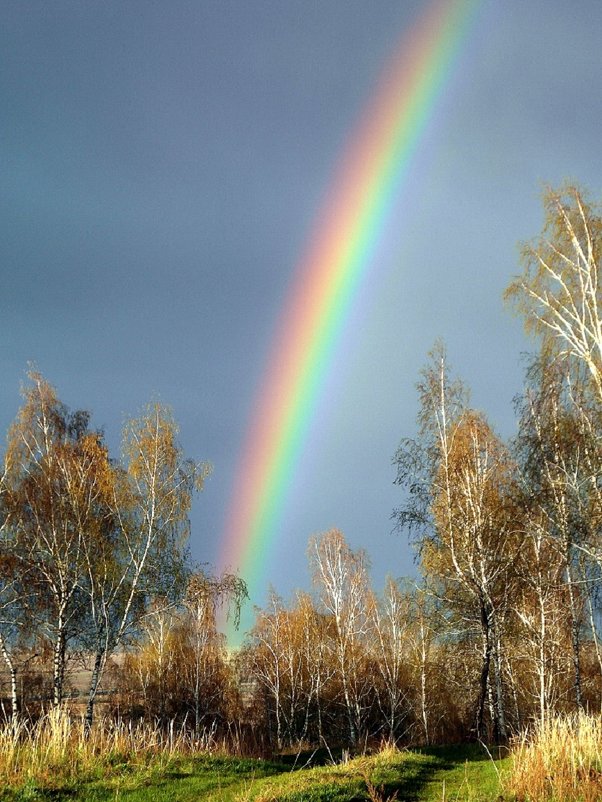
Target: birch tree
(203, 596)
(559, 296)
(554, 451)
(391, 617)
(271, 658)
(57, 506)
(475, 551)
(151, 499)
(14, 594)
(340, 575)
(421, 636)
(559, 292)
(15, 597)
(540, 640)
(459, 479)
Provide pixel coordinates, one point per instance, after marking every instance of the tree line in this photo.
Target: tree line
(90, 546)
(501, 628)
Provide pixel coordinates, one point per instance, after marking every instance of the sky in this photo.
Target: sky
(162, 166)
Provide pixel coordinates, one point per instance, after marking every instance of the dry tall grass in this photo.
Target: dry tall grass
(57, 748)
(560, 761)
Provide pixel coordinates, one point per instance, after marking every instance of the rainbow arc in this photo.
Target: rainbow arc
(336, 261)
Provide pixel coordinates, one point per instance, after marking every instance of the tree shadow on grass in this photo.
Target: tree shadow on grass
(413, 775)
(430, 765)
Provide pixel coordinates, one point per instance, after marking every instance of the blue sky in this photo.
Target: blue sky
(162, 165)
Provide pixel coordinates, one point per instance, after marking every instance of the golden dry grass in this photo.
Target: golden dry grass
(57, 746)
(560, 761)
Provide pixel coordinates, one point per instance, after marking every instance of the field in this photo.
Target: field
(54, 761)
(461, 773)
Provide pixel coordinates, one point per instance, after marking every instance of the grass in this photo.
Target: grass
(53, 762)
(53, 757)
(467, 773)
(559, 761)
(459, 774)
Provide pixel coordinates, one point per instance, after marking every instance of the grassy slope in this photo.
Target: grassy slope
(467, 772)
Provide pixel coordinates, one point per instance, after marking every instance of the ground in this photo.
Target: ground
(464, 774)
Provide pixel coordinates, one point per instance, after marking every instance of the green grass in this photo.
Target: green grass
(468, 773)
(164, 780)
(461, 774)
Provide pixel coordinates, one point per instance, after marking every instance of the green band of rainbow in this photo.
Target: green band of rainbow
(337, 258)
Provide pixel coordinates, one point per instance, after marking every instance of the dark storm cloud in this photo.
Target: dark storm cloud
(162, 165)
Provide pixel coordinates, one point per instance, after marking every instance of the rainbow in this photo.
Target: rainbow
(337, 257)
